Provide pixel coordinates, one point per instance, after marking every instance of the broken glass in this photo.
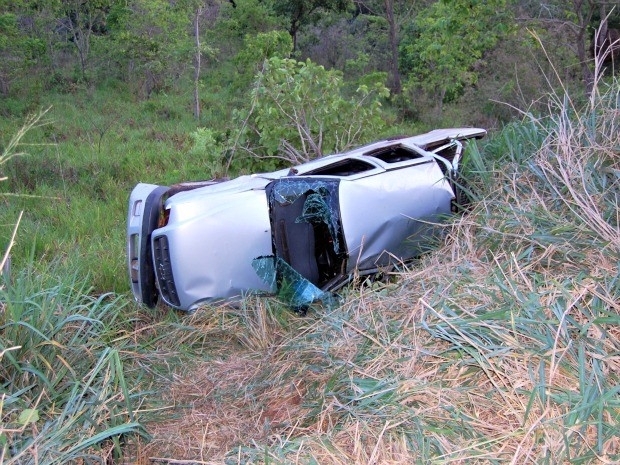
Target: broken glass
(291, 286)
(321, 203)
(316, 209)
(265, 268)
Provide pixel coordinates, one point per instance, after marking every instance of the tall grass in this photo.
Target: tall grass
(501, 347)
(63, 393)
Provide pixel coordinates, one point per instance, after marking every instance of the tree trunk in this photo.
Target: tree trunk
(80, 25)
(582, 26)
(395, 84)
(197, 63)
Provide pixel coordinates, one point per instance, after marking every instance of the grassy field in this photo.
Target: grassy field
(500, 347)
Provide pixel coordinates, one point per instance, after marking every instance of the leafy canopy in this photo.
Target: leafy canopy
(449, 38)
(302, 111)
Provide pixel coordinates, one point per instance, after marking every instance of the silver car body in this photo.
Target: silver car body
(351, 212)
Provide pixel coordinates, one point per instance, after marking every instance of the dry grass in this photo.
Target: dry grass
(369, 383)
(501, 347)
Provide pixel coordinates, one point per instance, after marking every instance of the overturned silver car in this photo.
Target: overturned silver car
(305, 230)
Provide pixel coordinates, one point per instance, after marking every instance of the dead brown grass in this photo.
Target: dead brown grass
(501, 347)
(271, 386)
(479, 411)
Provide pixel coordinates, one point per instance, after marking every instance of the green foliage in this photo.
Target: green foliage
(18, 52)
(442, 51)
(153, 41)
(247, 18)
(209, 151)
(65, 392)
(300, 12)
(256, 49)
(300, 111)
(8, 28)
(263, 46)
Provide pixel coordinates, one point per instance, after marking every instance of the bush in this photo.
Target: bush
(300, 111)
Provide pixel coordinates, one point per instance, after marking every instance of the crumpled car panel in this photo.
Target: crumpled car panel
(298, 231)
(392, 212)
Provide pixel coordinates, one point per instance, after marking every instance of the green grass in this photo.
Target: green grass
(500, 347)
(65, 394)
(77, 181)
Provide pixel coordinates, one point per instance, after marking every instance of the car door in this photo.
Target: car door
(392, 216)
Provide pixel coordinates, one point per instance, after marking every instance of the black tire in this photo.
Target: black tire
(152, 208)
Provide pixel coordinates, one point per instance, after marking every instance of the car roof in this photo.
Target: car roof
(424, 141)
(422, 144)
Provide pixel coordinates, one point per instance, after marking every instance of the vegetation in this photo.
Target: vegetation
(501, 346)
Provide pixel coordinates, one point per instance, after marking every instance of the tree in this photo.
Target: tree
(301, 12)
(258, 48)
(80, 20)
(576, 23)
(19, 49)
(446, 42)
(197, 62)
(395, 12)
(580, 21)
(389, 15)
(11, 50)
(300, 111)
(154, 41)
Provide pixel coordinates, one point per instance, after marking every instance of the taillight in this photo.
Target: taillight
(164, 216)
(134, 247)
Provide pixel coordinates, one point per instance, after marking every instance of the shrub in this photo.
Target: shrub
(300, 111)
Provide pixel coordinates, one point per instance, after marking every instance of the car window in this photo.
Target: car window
(394, 154)
(346, 167)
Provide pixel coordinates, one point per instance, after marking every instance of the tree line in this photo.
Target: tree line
(432, 55)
